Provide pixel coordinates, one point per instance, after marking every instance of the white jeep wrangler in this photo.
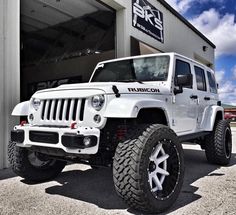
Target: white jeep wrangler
(133, 115)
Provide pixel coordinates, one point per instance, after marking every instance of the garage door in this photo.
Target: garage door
(62, 41)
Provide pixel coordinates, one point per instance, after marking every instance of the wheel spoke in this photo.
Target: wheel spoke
(161, 159)
(150, 179)
(154, 189)
(157, 174)
(157, 182)
(156, 151)
(162, 171)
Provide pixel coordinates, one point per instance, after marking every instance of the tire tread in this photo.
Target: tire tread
(126, 173)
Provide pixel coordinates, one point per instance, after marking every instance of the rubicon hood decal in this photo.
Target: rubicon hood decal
(148, 90)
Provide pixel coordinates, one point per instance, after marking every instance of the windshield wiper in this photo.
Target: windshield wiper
(130, 80)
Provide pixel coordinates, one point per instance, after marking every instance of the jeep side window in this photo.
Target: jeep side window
(212, 82)
(200, 78)
(152, 68)
(182, 68)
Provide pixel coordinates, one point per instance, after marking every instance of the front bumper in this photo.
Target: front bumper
(82, 140)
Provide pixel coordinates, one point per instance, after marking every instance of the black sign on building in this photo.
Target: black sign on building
(148, 19)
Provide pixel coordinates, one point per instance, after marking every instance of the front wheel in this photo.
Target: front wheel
(31, 165)
(148, 168)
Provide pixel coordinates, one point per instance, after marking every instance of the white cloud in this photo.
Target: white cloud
(227, 93)
(228, 97)
(219, 76)
(234, 72)
(181, 6)
(227, 88)
(221, 30)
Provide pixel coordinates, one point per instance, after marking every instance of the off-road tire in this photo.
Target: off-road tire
(131, 162)
(18, 159)
(219, 144)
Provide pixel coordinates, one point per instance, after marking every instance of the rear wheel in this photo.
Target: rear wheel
(148, 168)
(31, 165)
(218, 144)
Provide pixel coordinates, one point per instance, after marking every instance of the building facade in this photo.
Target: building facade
(47, 43)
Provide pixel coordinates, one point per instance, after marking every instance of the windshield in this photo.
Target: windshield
(140, 69)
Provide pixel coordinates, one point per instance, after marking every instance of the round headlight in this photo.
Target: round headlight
(98, 102)
(36, 103)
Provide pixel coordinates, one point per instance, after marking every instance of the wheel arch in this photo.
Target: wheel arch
(153, 116)
(131, 107)
(21, 109)
(211, 115)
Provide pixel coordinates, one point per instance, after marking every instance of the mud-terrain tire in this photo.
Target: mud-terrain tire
(134, 168)
(218, 144)
(33, 166)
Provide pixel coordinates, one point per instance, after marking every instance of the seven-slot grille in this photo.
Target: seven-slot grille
(63, 110)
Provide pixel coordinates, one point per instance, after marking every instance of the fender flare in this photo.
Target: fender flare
(129, 108)
(209, 117)
(21, 109)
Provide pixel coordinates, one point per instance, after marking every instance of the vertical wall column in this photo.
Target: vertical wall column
(122, 33)
(123, 20)
(9, 70)
(2, 57)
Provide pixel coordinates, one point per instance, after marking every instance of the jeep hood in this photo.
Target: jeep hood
(90, 89)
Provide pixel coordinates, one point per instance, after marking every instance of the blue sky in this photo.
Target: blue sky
(216, 19)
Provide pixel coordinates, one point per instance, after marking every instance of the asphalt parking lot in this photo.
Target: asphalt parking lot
(208, 189)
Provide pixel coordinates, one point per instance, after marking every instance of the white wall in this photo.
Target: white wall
(177, 36)
(9, 71)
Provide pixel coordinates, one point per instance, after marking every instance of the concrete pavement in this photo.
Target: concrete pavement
(208, 189)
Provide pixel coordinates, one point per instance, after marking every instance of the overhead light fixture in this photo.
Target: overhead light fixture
(204, 48)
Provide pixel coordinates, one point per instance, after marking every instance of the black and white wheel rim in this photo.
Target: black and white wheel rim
(37, 161)
(157, 170)
(164, 169)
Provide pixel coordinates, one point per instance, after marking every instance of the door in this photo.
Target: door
(185, 103)
(201, 92)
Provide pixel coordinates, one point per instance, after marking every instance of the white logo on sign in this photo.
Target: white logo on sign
(151, 16)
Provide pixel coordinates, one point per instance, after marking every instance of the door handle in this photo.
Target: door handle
(207, 98)
(193, 97)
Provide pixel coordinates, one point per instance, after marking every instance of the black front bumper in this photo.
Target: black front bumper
(44, 137)
(69, 140)
(18, 136)
(77, 141)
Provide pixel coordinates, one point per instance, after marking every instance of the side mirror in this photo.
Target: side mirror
(183, 81)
